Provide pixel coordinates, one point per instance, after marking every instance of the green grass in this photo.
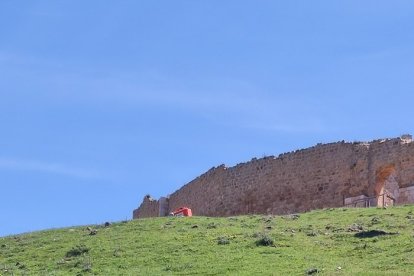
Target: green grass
(326, 241)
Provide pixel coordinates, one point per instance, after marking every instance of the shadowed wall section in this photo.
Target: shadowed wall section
(317, 177)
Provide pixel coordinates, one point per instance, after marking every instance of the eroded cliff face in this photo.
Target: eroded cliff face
(329, 175)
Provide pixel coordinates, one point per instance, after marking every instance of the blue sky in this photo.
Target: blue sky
(103, 102)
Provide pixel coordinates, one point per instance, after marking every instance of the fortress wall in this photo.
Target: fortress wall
(309, 179)
(203, 195)
(318, 177)
(359, 171)
(298, 181)
(406, 165)
(148, 208)
(391, 154)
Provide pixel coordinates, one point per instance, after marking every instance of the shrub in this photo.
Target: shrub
(212, 226)
(312, 233)
(265, 240)
(223, 241)
(77, 251)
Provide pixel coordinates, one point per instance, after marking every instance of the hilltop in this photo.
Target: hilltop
(371, 241)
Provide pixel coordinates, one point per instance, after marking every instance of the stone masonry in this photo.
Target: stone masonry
(377, 173)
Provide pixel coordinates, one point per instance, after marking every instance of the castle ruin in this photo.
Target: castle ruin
(359, 174)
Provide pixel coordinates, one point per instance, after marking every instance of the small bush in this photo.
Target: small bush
(375, 220)
(312, 233)
(265, 240)
(77, 251)
(355, 227)
(223, 241)
(212, 226)
(312, 271)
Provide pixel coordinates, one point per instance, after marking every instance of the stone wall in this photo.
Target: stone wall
(317, 177)
(149, 208)
(407, 195)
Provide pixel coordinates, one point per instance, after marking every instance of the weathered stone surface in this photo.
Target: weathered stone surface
(406, 195)
(148, 208)
(317, 177)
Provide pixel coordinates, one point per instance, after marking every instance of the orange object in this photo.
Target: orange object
(182, 212)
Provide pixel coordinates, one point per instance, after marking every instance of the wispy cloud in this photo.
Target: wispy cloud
(238, 104)
(223, 100)
(45, 167)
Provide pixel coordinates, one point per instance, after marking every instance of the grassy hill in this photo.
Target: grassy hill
(329, 242)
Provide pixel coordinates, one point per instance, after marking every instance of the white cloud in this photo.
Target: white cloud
(45, 167)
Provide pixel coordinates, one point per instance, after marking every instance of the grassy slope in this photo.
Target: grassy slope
(319, 239)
